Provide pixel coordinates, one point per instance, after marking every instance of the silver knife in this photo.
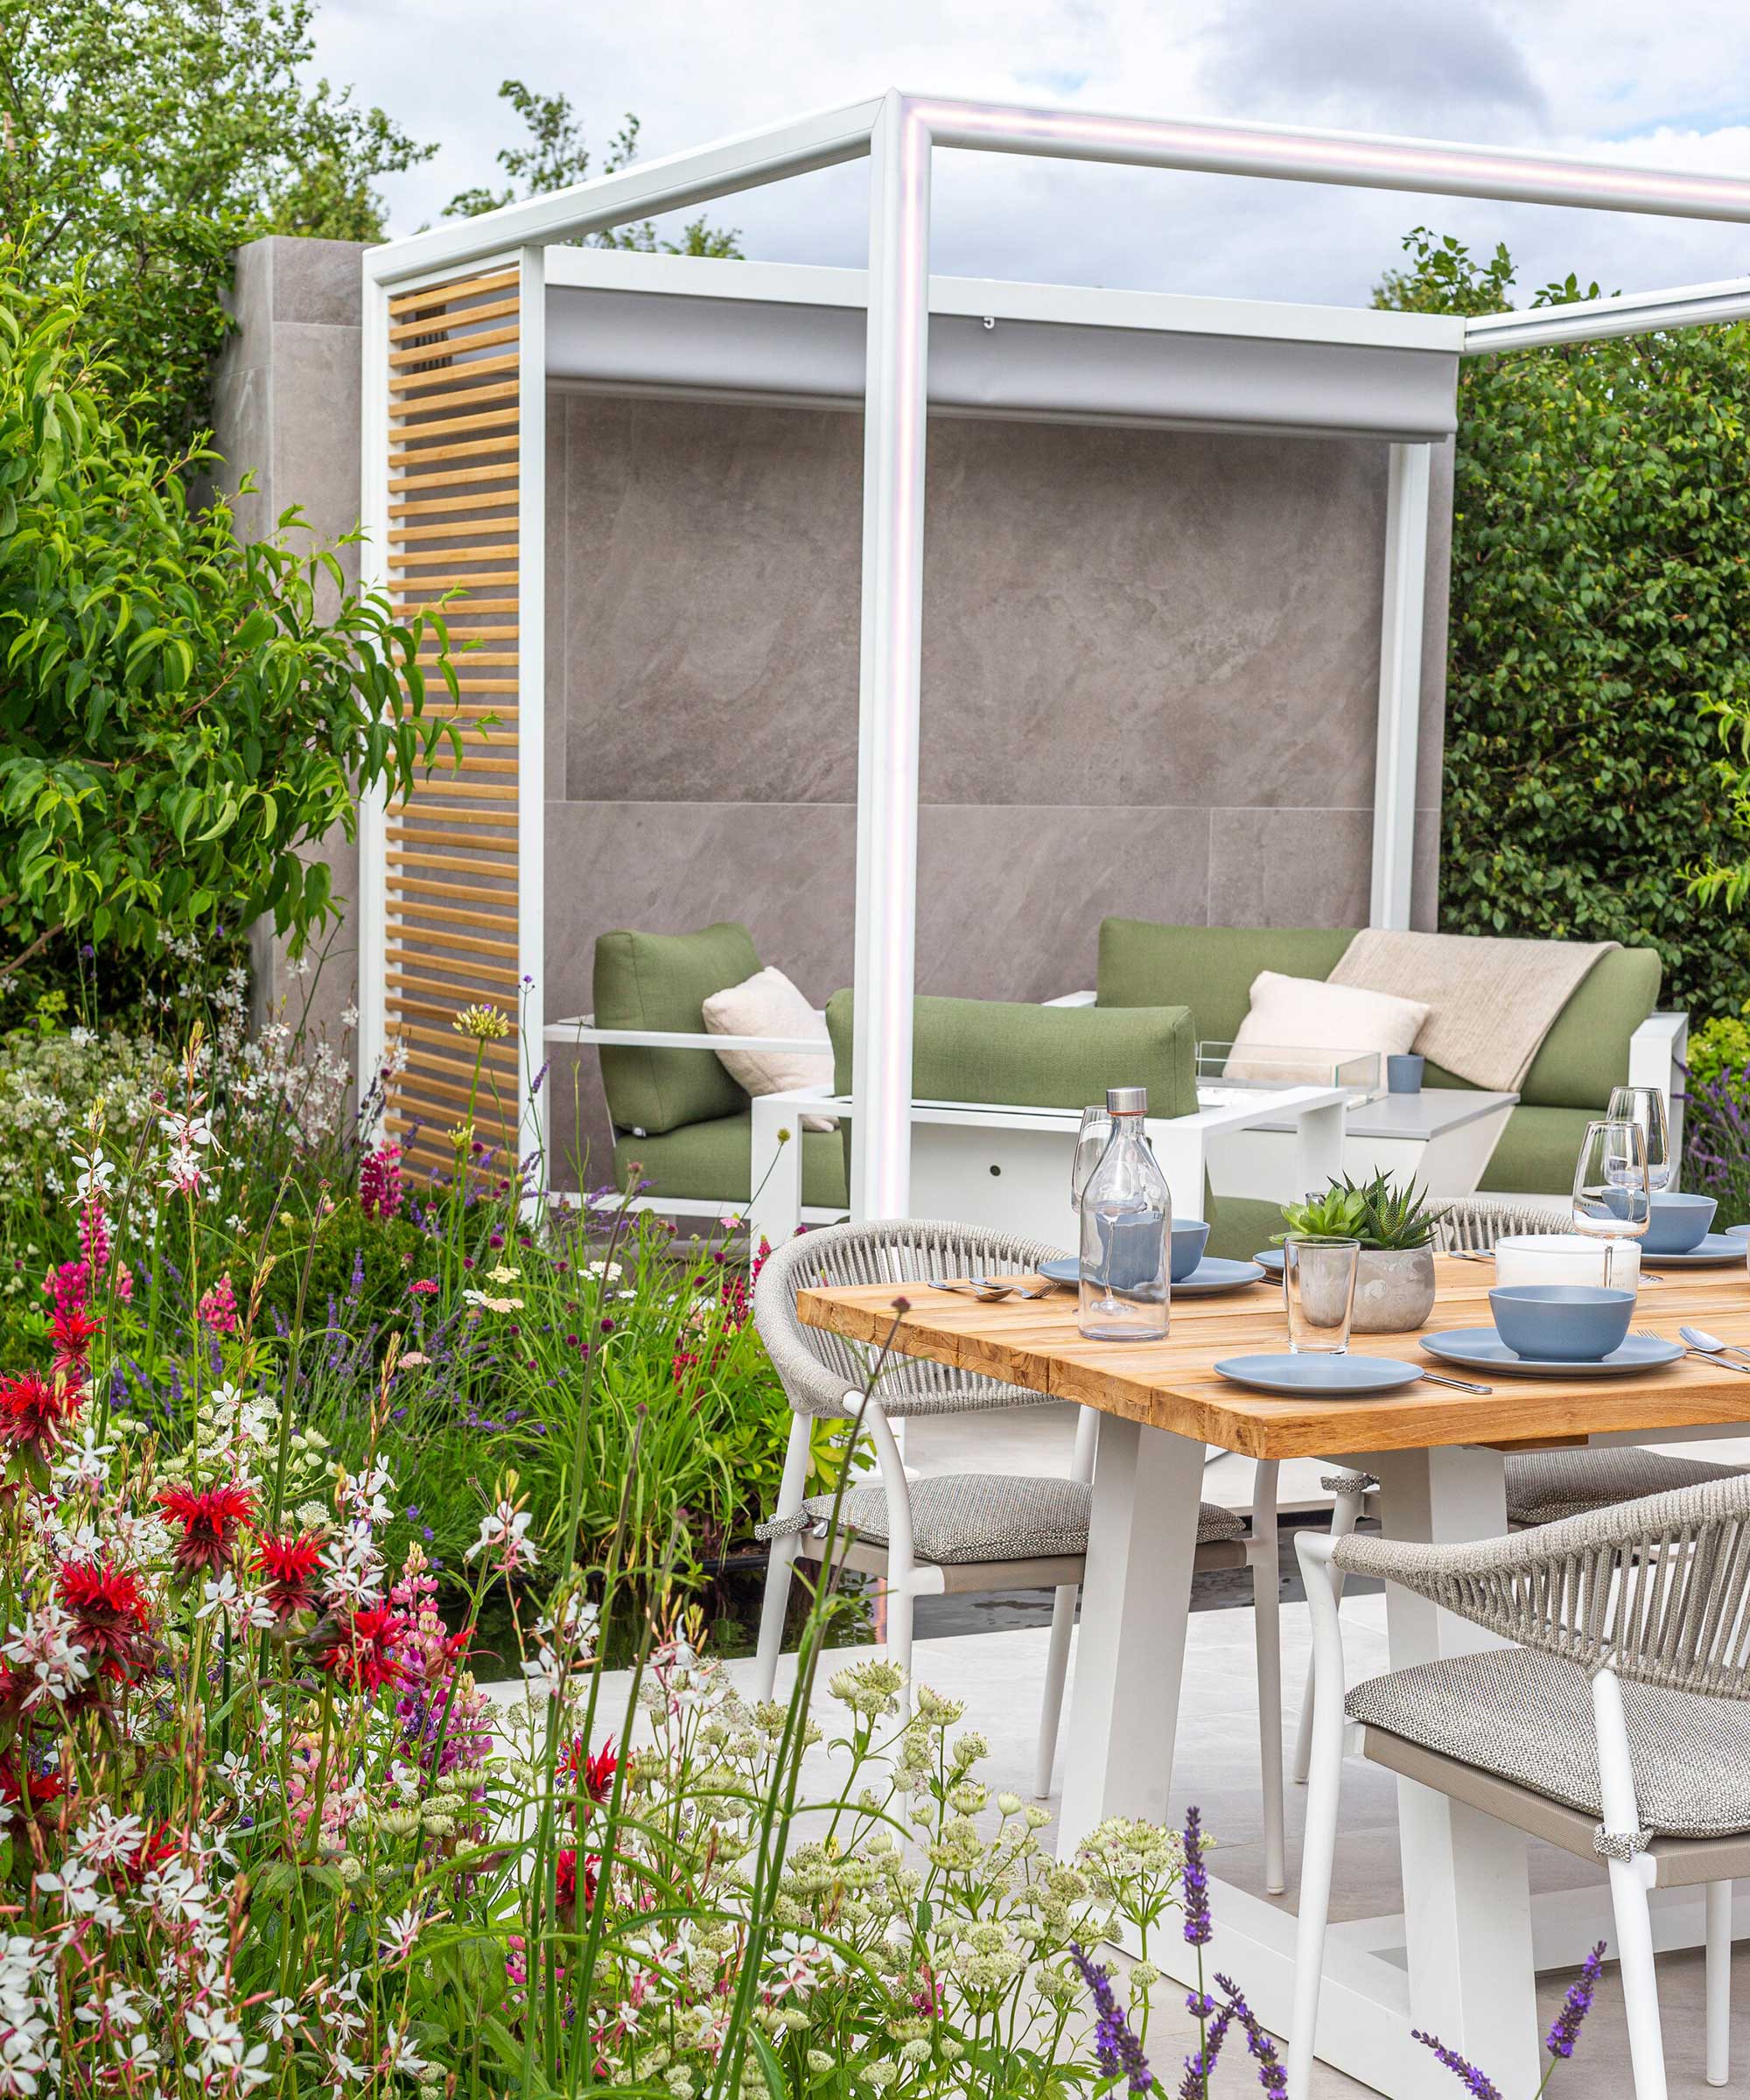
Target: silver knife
(1465, 1385)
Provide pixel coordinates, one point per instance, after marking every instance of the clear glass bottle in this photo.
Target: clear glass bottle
(1126, 1231)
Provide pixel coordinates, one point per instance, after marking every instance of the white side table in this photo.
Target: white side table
(1442, 1138)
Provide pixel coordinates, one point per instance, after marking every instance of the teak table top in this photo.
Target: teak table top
(1171, 1385)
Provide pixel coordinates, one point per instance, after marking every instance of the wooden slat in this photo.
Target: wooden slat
(400, 1003)
(417, 1080)
(402, 589)
(412, 469)
(505, 870)
(430, 297)
(471, 941)
(468, 476)
(446, 893)
(451, 582)
(404, 364)
(402, 412)
(492, 791)
(448, 426)
(495, 1053)
(453, 528)
(411, 392)
(454, 836)
(461, 479)
(456, 995)
(404, 330)
(488, 499)
(434, 557)
(475, 761)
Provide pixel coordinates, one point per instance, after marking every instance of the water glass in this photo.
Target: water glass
(1646, 1106)
(1090, 1141)
(1318, 1283)
(1612, 1195)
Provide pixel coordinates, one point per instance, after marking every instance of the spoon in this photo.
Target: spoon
(1711, 1345)
(993, 1294)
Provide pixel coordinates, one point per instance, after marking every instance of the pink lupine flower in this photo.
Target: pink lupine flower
(218, 1307)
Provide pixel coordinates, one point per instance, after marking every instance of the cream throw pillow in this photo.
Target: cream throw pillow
(1305, 1013)
(769, 1004)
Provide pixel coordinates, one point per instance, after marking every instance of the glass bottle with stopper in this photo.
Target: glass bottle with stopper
(1126, 1231)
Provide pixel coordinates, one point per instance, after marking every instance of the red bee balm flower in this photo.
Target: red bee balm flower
(290, 1564)
(565, 1880)
(209, 1520)
(592, 1776)
(364, 1653)
(73, 1330)
(34, 1411)
(108, 1610)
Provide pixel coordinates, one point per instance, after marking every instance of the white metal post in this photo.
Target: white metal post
(373, 575)
(531, 695)
(892, 662)
(1400, 684)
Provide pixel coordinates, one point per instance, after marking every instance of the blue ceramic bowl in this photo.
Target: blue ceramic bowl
(1678, 1224)
(1562, 1323)
(1190, 1237)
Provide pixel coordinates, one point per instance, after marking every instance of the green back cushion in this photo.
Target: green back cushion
(1207, 969)
(1210, 970)
(662, 981)
(1037, 1057)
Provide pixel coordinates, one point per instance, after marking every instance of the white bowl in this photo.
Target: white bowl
(1564, 1258)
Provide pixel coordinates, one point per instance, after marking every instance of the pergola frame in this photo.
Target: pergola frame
(899, 133)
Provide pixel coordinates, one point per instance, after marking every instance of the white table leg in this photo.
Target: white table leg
(1466, 1897)
(1123, 1706)
(776, 1208)
(1318, 1148)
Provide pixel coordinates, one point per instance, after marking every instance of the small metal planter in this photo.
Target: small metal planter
(1394, 1291)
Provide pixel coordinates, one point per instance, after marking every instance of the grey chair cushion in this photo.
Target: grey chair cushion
(1527, 1717)
(961, 1517)
(1542, 1487)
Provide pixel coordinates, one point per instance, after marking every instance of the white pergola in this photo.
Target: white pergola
(522, 246)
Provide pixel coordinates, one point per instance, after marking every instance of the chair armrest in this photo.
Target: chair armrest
(581, 1029)
(1072, 998)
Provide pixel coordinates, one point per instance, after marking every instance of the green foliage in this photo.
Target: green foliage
(556, 157)
(177, 719)
(1393, 1220)
(1598, 688)
(1721, 1046)
(146, 141)
(351, 1268)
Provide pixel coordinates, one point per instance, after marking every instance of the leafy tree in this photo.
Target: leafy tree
(176, 717)
(1597, 683)
(144, 140)
(556, 157)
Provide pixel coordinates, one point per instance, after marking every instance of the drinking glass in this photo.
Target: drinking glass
(1612, 1200)
(1090, 1141)
(1318, 1283)
(1646, 1105)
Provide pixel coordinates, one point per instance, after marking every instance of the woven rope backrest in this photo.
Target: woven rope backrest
(1656, 1589)
(1473, 1224)
(897, 1251)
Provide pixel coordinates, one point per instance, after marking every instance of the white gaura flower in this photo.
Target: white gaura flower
(503, 1534)
(44, 1651)
(280, 2017)
(401, 2056)
(95, 1178)
(106, 1837)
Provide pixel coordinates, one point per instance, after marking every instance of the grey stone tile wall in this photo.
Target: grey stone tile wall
(1150, 667)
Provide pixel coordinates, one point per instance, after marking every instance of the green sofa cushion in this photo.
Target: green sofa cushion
(1538, 1152)
(1207, 969)
(1210, 968)
(1238, 1227)
(713, 1161)
(662, 981)
(1037, 1057)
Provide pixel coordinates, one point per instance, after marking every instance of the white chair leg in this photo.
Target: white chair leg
(1718, 1982)
(781, 1561)
(1345, 1514)
(1319, 1844)
(1056, 1669)
(1629, 1880)
(901, 1560)
(1267, 1635)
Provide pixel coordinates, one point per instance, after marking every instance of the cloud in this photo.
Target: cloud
(1409, 66)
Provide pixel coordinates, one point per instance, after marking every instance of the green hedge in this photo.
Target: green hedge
(1601, 633)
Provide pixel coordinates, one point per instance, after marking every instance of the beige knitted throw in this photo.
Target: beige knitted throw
(1493, 1001)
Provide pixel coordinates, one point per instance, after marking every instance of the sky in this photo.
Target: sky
(1661, 85)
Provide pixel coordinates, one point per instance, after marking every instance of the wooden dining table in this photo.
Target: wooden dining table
(1460, 1961)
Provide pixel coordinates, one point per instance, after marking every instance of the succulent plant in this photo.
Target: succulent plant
(1393, 1218)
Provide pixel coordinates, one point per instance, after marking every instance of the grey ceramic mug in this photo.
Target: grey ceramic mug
(1403, 1075)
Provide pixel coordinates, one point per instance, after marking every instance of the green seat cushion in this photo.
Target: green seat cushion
(1537, 1153)
(1037, 1057)
(1240, 1225)
(1207, 969)
(662, 981)
(712, 1161)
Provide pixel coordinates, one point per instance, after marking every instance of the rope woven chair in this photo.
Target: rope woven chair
(1542, 1487)
(966, 1531)
(1617, 1726)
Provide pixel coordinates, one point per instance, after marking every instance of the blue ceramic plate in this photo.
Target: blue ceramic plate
(1716, 1247)
(1209, 1276)
(1740, 1233)
(1320, 1377)
(1270, 1259)
(1482, 1350)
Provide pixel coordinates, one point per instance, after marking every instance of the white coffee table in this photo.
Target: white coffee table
(1442, 1138)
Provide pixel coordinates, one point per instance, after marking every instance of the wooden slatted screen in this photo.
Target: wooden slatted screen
(449, 849)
